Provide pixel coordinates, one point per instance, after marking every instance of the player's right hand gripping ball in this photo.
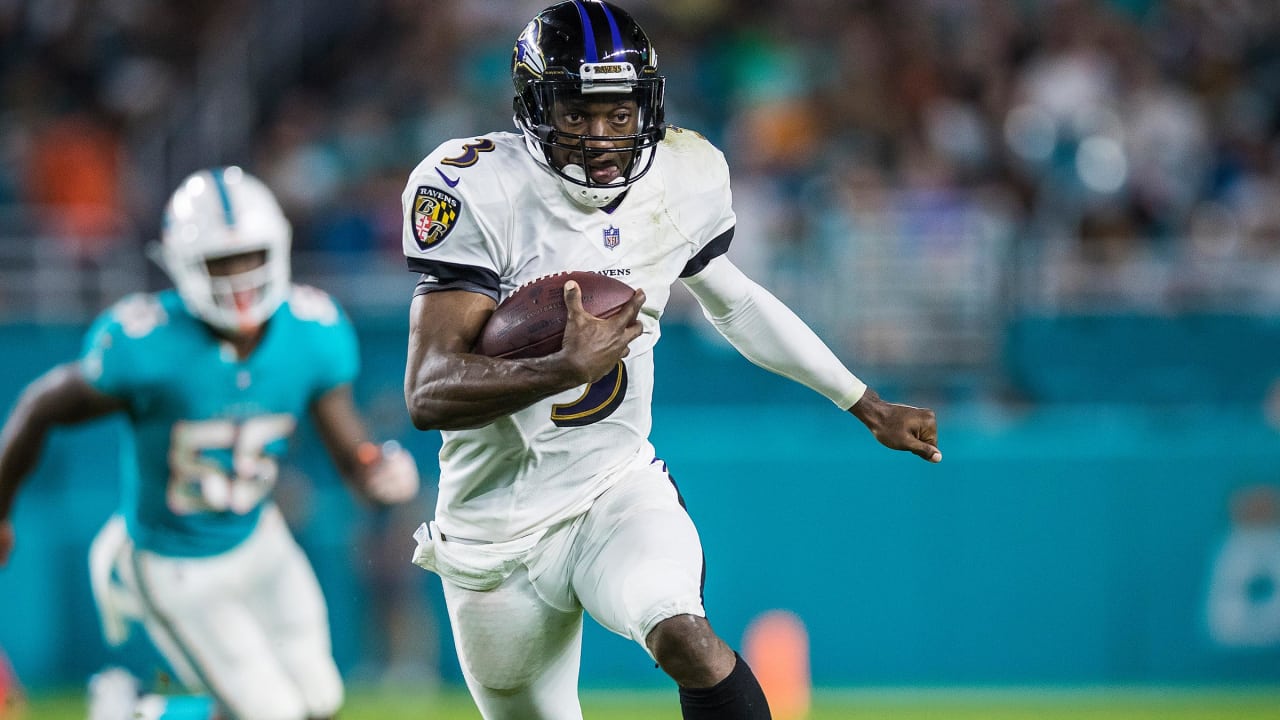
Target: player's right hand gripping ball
(531, 322)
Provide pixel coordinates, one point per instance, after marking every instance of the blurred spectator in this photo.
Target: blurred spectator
(73, 181)
(1097, 154)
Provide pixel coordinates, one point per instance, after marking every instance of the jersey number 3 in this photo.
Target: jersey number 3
(199, 483)
(597, 402)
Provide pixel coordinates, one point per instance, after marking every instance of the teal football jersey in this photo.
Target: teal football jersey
(208, 430)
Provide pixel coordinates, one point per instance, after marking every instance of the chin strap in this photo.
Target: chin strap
(595, 196)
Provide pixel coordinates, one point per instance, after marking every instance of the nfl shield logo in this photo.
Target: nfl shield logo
(612, 236)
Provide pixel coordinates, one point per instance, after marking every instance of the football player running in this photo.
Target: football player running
(552, 500)
(213, 378)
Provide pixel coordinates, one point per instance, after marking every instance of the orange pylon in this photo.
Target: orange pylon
(776, 646)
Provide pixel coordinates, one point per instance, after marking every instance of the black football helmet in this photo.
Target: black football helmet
(587, 48)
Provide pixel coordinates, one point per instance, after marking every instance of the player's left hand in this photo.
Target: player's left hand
(899, 427)
(395, 478)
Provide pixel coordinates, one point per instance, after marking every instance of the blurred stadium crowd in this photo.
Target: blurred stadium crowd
(909, 174)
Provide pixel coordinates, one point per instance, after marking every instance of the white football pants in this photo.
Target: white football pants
(633, 560)
(248, 626)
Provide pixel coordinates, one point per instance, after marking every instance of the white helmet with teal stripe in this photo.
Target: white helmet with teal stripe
(219, 213)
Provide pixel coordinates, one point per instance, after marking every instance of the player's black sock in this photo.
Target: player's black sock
(737, 697)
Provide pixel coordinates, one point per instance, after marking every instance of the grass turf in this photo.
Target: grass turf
(896, 704)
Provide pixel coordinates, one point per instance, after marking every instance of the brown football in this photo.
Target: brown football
(530, 323)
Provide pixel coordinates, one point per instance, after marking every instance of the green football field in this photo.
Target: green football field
(897, 704)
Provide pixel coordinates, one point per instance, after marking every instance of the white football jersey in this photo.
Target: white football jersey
(483, 215)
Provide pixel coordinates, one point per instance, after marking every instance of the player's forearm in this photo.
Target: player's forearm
(59, 397)
(459, 391)
(21, 443)
(343, 432)
(870, 409)
(770, 335)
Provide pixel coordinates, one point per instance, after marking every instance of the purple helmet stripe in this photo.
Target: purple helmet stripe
(613, 29)
(588, 34)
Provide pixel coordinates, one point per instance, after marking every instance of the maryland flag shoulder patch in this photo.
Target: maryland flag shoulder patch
(433, 215)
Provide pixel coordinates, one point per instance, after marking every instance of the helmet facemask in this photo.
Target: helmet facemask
(536, 110)
(238, 302)
(587, 52)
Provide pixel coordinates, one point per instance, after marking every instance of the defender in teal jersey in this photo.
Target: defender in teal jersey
(208, 377)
